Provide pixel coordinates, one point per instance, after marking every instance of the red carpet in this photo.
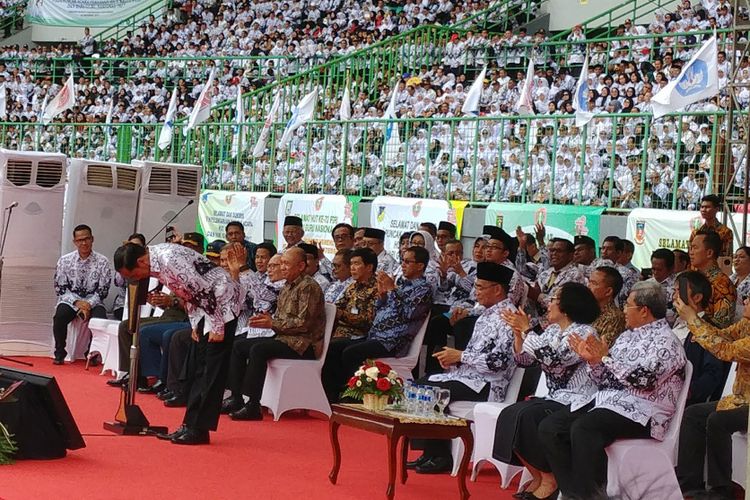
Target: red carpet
(254, 460)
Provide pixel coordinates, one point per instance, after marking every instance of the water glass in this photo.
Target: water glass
(443, 398)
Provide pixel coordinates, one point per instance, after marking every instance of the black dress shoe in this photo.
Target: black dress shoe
(436, 465)
(231, 405)
(118, 382)
(165, 394)
(192, 436)
(168, 436)
(157, 387)
(177, 401)
(416, 463)
(250, 411)
(58, 361)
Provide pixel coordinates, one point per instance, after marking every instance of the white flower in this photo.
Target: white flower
(372, 372)
(392, 375)
(359, 383)
(359, 373)
(369, 379)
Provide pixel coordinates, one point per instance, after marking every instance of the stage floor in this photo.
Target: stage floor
(290, 458)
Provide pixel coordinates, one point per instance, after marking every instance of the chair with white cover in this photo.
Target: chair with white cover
(466, 410)
(485, 423)
(739, 439)
(403, 366)
(77, 342)
(294, 384)
(101, 342)
(644, 468)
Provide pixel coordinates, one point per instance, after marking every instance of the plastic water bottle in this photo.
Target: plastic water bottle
(410, 396)
(419, 403)
(428, 410)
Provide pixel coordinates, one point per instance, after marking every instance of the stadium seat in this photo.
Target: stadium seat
(293, 384)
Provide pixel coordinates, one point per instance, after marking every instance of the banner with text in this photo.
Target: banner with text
(91, 13)
(560, 221)
(649, 229)
(319, 213)
(217, 208)
(398, 215)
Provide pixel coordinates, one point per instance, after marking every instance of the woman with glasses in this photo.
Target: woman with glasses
(571, 311)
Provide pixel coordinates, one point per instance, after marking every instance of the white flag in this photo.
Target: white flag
(63, 101)
(345, 110)
(3, 102)
(698, 80)
(108, 119)
(301, 114)
(526, 100)
(239, 119)
(202, 109)
(260, 146)
(167, 130)
(471, 104)
(581, 100)
(392, 143)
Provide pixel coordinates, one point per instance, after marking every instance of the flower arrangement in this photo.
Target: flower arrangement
(374, 378)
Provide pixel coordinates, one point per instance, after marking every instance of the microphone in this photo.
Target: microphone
(189, 202)
(12, 206)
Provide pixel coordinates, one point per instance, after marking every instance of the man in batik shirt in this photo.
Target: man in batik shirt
(705, 249)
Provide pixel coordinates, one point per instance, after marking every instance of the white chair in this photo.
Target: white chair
(294, 384)
(101, 342)
(77, 342)
(644, 468)
(403, 366)
(485, 423)
(739, 439)
(465, 410)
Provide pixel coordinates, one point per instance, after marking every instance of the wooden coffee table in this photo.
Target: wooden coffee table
(395, 429)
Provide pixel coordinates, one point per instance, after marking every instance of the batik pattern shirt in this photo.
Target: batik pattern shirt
(629, 277)
(121, 285)
(610, 323)
(457, 289)
(488, 357)
(642, 376)
(207, 290)
(728, 344)
(743, 292)
(86, 279)
(566, 373)
(667, 286)
(726, 235)
(260, 295)
(387, 263)
(322, 281)
(336, 290)
(723, 302)
(517, 290)
(356, 309)
(300, 317)
(551, 280)
(530, 268)
(399, 315)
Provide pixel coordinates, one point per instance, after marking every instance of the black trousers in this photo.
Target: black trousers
(211, 366)
(436, 337)
(462, 330)
(180, 373)
(707, 433)
(574, 444)
(333, 374)
(459, 392)
(64, 314)
(249, 364)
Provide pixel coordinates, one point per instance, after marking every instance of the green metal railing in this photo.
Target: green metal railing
(12, 19)
(620, 161)
(131, 23)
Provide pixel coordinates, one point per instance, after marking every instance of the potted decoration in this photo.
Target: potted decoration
(7, 446)
(374, 383)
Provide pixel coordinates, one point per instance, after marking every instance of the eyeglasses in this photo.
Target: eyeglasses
(83, 240)
(273, 265)
(409, 261)
(485, 287)
(628, 306)
(494, 247)
(339, 237)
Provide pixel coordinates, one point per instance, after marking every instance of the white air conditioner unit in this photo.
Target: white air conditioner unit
(104, 196)
(166, 189)
(36, 181)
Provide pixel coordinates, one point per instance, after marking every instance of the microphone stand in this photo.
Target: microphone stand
(6, 224)
(190, 202)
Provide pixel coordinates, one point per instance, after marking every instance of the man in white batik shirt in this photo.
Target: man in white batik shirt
(639, 381)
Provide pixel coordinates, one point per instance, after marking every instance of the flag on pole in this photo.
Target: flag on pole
(108, 119)
(581, 101)
(392, 143)
(239, 119)
(526, 100)
(345, 110)
(471, 104)
(301, 114)
(698, 80)
(63, 101)
(167, 130)
(3, 102)
(202, 109)
(260, 146)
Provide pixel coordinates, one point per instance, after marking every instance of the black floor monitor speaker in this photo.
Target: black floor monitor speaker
(37, 415)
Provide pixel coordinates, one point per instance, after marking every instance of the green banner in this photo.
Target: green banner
(561, 221)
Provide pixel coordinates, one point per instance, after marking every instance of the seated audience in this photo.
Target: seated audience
(705, 248)
(313, 268)
(739, 279)
(341, 274)
(374, 239)
(605, 283)
(235, 233)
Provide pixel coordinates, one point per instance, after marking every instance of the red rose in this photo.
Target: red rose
(352, 382)
(383, 384)
(383, 368)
